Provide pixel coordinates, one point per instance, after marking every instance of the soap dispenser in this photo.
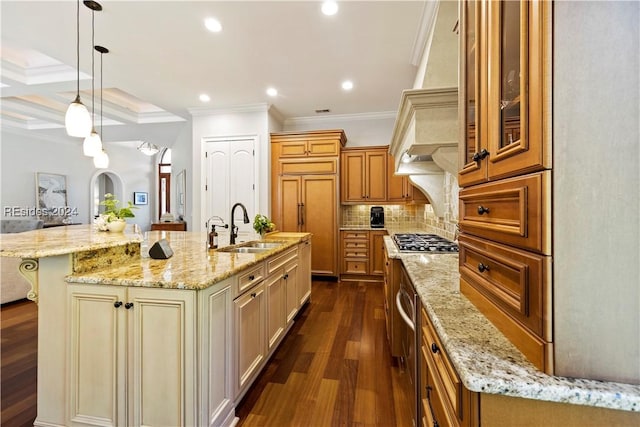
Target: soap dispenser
(213, 238)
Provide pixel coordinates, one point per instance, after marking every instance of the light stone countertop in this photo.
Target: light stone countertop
(114, 258)
(483, 357)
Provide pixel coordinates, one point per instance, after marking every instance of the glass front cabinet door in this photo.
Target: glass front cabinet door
(502, 81)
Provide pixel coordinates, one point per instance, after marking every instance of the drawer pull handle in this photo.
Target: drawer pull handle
(128, 305)
(434, 348)
(117, 304)
(252, 277)
(482, 268)
(482, 210)
(253, 295)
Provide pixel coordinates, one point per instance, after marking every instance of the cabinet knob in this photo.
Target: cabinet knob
(128, 305)
(253, 295)
(252, 277)
(481, 155)
(482, 210)
(482, 268)
(434, 348)
(117, 304)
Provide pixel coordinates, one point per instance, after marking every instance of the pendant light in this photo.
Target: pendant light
(77, 120)
(148, 148)
(92, 144)
(101, 160)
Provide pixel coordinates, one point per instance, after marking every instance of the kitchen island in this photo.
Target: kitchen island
(128, 340)
(507, 386)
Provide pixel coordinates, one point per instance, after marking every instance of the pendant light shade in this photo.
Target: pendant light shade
(101, 160)
(77, 120)
(92, 144)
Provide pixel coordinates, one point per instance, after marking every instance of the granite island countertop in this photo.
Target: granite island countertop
(114, 258)
(485, 360)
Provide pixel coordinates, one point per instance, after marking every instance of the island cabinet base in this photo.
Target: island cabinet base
(116, 355)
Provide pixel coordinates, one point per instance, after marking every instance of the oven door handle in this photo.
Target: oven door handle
(404, 315)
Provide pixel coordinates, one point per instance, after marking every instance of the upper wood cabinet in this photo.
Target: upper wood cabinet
(503, 82)
(399, 189)
(307, 144)
(364, 175)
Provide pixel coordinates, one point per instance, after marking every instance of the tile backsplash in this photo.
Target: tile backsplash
(419, 217)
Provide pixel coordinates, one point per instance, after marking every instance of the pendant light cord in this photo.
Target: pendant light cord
(93, 74)
(101, 53)
(78, 50)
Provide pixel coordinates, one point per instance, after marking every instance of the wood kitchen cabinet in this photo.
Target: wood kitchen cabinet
(364, 176)
(391, 285)
(505, 149)
(503, 83)
(116, 375)
(362, 254)
(304, 194)
(399, 189)
(444, 400)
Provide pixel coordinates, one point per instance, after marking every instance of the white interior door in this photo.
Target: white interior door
(229, 168)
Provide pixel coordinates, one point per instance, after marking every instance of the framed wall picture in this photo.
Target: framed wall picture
(140, 198)
(51, 197)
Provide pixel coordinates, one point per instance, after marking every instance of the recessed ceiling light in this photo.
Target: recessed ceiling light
(213, 25)
(329, 7)
(347, 85)
(272, 91)
(204, 97)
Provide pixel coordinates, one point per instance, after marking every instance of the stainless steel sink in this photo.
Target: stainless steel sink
(244, 250)
(267, 245)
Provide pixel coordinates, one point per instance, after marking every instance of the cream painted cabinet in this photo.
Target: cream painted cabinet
(250, 346)
(291, 288)
(275, 287)
(304, 272)
(132, 356)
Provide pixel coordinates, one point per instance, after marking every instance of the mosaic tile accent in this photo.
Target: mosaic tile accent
(395, 216)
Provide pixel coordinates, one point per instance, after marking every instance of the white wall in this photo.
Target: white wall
(361, 129)
(245, 121)
(22, 154)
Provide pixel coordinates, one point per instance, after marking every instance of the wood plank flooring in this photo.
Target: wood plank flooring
(332, 369)
(18, 373)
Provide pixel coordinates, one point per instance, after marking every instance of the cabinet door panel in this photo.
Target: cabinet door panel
(250, 344)
(162, 375)
(376, 176)
(353, 185)
(97, 355)
(289, 201)
(304, 271)
(276, 311)
(291, 290)
(319, 216)
(296, 148)
(377, 251)
(323, 147)
(396, 184)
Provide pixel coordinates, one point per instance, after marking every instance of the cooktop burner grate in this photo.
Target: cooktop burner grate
(417, 242)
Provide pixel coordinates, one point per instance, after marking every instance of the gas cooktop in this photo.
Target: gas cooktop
(417, 242)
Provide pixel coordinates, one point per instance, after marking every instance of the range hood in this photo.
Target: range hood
(425, 140)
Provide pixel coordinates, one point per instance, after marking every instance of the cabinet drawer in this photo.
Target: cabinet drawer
(355, 253)
(250, 278)
(360, 235)
(516, 281)
(308, 166)
(355, 266)
(436, 409)
(511, 211)
(434, 353)
(278, 261)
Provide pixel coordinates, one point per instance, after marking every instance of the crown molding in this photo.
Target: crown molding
(247, 108)
(383, 115)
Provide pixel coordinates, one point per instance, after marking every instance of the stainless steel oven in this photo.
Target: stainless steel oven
(408, 307)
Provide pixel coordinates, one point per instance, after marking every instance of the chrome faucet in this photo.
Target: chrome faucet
(234, 228)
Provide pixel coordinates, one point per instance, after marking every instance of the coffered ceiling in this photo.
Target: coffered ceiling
(162, 58)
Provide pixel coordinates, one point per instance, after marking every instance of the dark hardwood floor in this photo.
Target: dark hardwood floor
(18, 373)
(332, 369)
